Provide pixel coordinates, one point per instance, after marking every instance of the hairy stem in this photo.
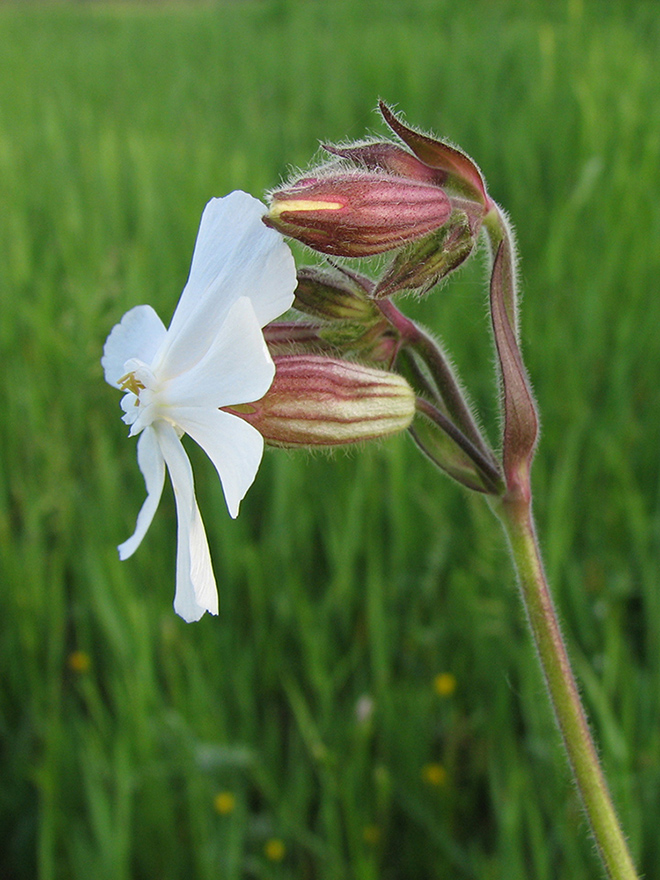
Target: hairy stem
(516, 518)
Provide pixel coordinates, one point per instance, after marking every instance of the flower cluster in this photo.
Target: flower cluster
(424, 202)
(427, 203)
(346, 365)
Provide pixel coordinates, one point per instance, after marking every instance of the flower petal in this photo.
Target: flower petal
(196, 590)
(138, 335)
(234, 447)
(235, 255)
(150, 461)
(237, 368)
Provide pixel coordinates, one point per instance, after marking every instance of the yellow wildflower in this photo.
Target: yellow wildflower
(444, 684)
(434, 774)
(224, 803)
(274, 850)
(79, 661)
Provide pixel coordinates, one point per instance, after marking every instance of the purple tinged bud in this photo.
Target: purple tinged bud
(296, 337)
(357, 214)
(322, 401)
(389, 157)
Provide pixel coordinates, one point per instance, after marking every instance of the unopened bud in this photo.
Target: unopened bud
(378, 342)
(389, 157)
(320, 401)
(357, 214)
(333, 296)
(296, 337)
(420, 265)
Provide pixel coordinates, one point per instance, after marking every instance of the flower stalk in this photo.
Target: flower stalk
(514, 510)
(517, 521)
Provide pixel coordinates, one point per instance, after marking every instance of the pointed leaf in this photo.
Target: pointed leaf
(520, 416)
(439, 155)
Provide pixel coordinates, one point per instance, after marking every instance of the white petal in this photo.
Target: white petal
(138, 335)
(196, 590)
(234, 447)
(235, 255)
(237, 368)
(150, 461)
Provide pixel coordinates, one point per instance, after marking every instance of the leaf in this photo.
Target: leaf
(521, 423)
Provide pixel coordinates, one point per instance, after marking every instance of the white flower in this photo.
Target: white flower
(213, 355)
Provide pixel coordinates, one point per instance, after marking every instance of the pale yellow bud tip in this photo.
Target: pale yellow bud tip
(298, 205)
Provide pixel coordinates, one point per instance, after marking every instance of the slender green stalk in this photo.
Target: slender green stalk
(516, 518)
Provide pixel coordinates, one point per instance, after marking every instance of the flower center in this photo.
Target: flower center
(130, 382)
(140, 402)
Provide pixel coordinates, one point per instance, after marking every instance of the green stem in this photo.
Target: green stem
(518, 523)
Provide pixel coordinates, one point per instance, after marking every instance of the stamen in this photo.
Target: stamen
(130, 383)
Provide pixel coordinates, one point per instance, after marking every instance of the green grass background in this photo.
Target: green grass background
(347, 576)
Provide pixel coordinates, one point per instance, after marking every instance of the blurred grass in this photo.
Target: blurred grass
(360, 575)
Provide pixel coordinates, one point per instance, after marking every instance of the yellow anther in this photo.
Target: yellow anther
(130, 383)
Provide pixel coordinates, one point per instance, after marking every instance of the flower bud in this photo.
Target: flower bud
(351, 322)
(446, 454)
(388, 157)
(376, 343)
(420, 265)
(296, 337)
(357, 214)
(333, 296)
(321, 401)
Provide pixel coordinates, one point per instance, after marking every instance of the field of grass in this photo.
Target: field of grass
(312, 705)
